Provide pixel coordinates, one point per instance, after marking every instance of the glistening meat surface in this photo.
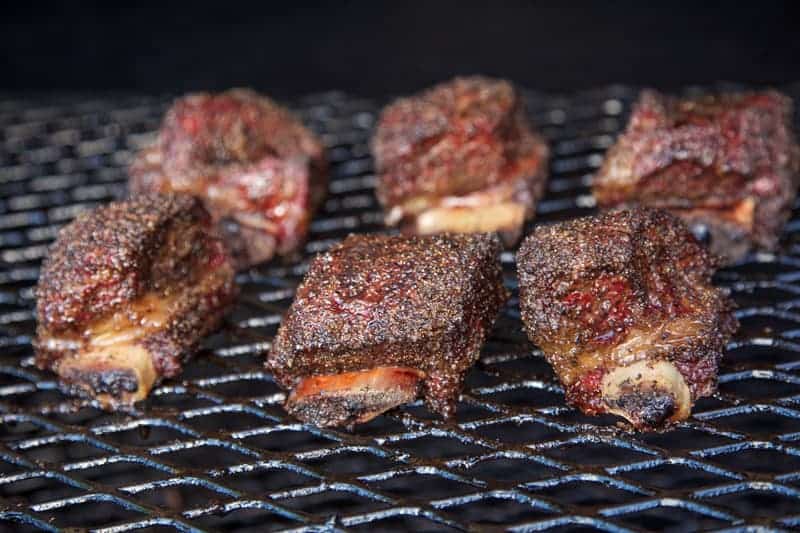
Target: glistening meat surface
(623, 308)
(460, 156)
(727, 164)
(126, 294)
(379, 319)
(257, 169)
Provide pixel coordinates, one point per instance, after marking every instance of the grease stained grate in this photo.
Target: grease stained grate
(215, 451)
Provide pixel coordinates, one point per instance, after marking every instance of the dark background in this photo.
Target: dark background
(374, 48)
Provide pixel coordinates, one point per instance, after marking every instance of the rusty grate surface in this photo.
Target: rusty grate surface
(214, 450)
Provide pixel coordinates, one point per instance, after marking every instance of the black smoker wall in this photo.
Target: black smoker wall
(378, 47)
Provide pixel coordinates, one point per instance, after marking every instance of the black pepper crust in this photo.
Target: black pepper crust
(257, 169)
(425, 303)
(106, 259)
(469, 136)
(586, 284)
(703, 157)
(102, 260)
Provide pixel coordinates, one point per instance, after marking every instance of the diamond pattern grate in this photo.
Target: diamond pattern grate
(214, 450)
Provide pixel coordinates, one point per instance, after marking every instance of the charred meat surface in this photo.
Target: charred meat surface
(380, 319)
(257, 169)
(460, 157)
(126, 294)
(727, 164)
(623, 308)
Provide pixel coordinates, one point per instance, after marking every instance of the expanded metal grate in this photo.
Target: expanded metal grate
(215, 451)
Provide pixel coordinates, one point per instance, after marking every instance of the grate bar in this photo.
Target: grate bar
(215, 451)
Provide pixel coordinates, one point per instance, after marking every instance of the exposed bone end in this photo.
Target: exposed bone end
(120, 374)
(506, 218)
(112, 366)
(647, 394)
(352, 397)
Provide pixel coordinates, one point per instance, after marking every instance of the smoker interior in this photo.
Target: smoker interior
(215, 451)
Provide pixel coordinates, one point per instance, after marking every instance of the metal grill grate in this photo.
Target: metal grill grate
(215, 451)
